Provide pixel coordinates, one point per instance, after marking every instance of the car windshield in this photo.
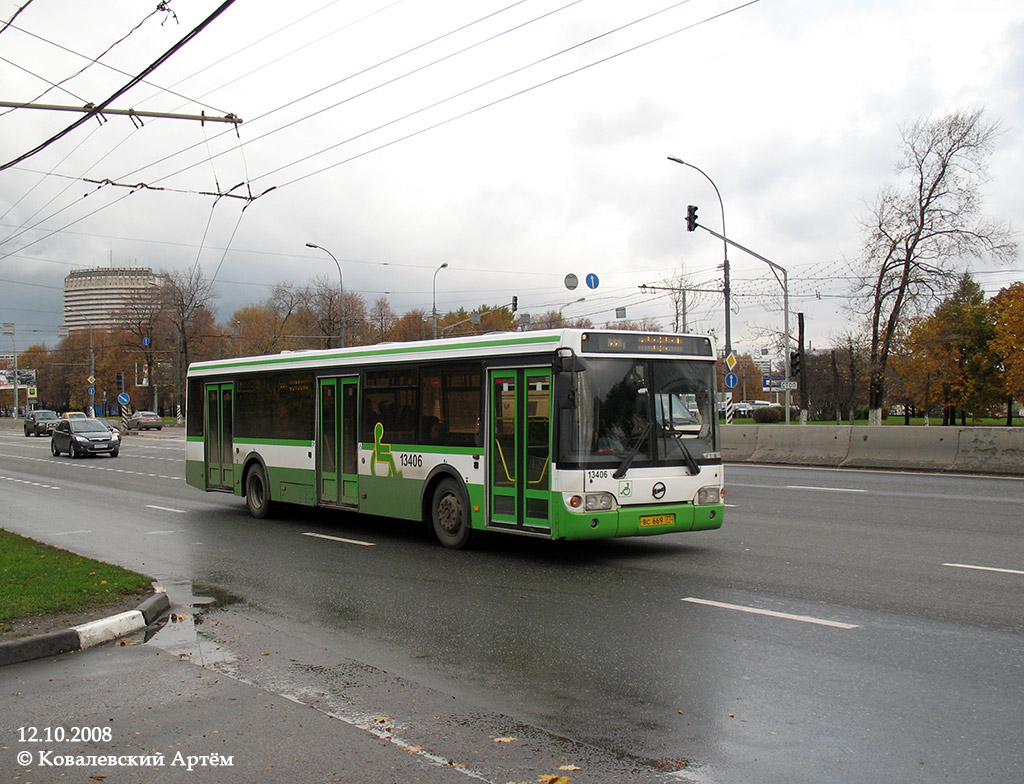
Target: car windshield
(45, 415)
(89, 426)
(147, 414)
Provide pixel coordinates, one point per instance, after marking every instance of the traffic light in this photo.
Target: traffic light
(795, 358)
(515, 303)
(120, 381)
(691, 217)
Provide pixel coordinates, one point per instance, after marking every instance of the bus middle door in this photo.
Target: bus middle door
(337, 481)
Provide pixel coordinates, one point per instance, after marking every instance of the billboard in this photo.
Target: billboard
(26, 378)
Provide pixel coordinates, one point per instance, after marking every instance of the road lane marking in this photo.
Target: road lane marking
(80, 464)
(70, 533)
(985, 568)
(771, 613)
(27, 482)
(339, 539)
(165, 509)
(827, 489)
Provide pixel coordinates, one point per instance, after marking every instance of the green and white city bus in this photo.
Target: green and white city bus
(563, 434)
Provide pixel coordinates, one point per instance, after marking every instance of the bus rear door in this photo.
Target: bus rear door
(217, 438)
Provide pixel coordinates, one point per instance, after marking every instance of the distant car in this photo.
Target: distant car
(144, 420)
(40, 422)
(742, 409)
(74, 415)
(82, 436)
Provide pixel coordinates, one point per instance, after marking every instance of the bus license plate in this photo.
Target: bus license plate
(651, 520)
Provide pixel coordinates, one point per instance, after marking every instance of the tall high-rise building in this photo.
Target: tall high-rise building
(93, 297)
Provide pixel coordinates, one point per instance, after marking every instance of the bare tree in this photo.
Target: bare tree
(918, 234)
(187, 297)
(141, 320)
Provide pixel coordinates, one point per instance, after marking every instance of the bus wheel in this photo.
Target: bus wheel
(450, 514)
(257, 492)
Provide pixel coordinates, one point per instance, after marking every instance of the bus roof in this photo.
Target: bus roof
(491, 344)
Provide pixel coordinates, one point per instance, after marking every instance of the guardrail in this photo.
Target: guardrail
(990, 450)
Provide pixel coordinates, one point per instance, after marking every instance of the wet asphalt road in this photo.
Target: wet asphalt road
(882, 657)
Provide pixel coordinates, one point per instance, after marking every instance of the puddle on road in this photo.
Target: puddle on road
(180, 632)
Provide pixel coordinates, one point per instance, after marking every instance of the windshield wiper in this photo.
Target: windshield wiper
(624, 465)
(691, 464)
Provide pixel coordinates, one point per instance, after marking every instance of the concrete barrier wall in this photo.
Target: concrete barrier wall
(738, 442)
(991, 450)
(931, 448)
(802, 445)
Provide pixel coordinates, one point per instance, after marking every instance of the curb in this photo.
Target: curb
(85, 636)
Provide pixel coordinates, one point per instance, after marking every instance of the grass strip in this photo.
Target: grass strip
(36, 579)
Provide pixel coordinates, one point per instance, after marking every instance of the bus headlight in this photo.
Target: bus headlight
(600, 502)
(712, 494)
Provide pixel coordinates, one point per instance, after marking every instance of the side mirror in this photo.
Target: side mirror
(566, 361)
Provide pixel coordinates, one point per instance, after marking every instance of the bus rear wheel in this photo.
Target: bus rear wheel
(257, 492)
(449, 514)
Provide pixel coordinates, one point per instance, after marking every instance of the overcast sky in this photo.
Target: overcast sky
(515, 141)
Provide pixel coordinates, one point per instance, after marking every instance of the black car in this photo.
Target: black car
(40, 422)
(80, 437)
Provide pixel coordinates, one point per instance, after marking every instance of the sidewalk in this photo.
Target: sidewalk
(140, 713)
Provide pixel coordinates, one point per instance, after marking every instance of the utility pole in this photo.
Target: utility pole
(801, 386)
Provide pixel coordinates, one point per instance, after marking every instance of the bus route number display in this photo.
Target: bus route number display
(647, 343)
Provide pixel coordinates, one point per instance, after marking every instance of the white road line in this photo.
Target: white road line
(165, 509)
(771, 613)
(985, 568)
(27, 482)
(827, 489)
(70, 533)
(339, 539)
(81, 464)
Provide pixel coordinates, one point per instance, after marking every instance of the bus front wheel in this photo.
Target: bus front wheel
(257, 492)
(450, 514)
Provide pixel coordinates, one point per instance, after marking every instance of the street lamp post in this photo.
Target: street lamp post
(784, 282)
(9, 330)
(433, 297)
(725, 250)
(341, 285)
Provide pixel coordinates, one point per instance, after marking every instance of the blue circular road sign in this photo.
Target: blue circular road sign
(92, 390)
(592, 281)
(123, 398)
(731, 380)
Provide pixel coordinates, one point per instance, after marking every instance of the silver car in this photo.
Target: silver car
(80, 437)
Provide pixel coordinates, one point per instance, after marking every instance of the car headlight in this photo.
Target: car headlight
(712, 494)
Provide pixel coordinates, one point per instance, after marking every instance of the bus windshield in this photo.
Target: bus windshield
(640, 413)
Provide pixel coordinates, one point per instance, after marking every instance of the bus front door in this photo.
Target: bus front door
(337, 481)
(217, 438)
(519, 474)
